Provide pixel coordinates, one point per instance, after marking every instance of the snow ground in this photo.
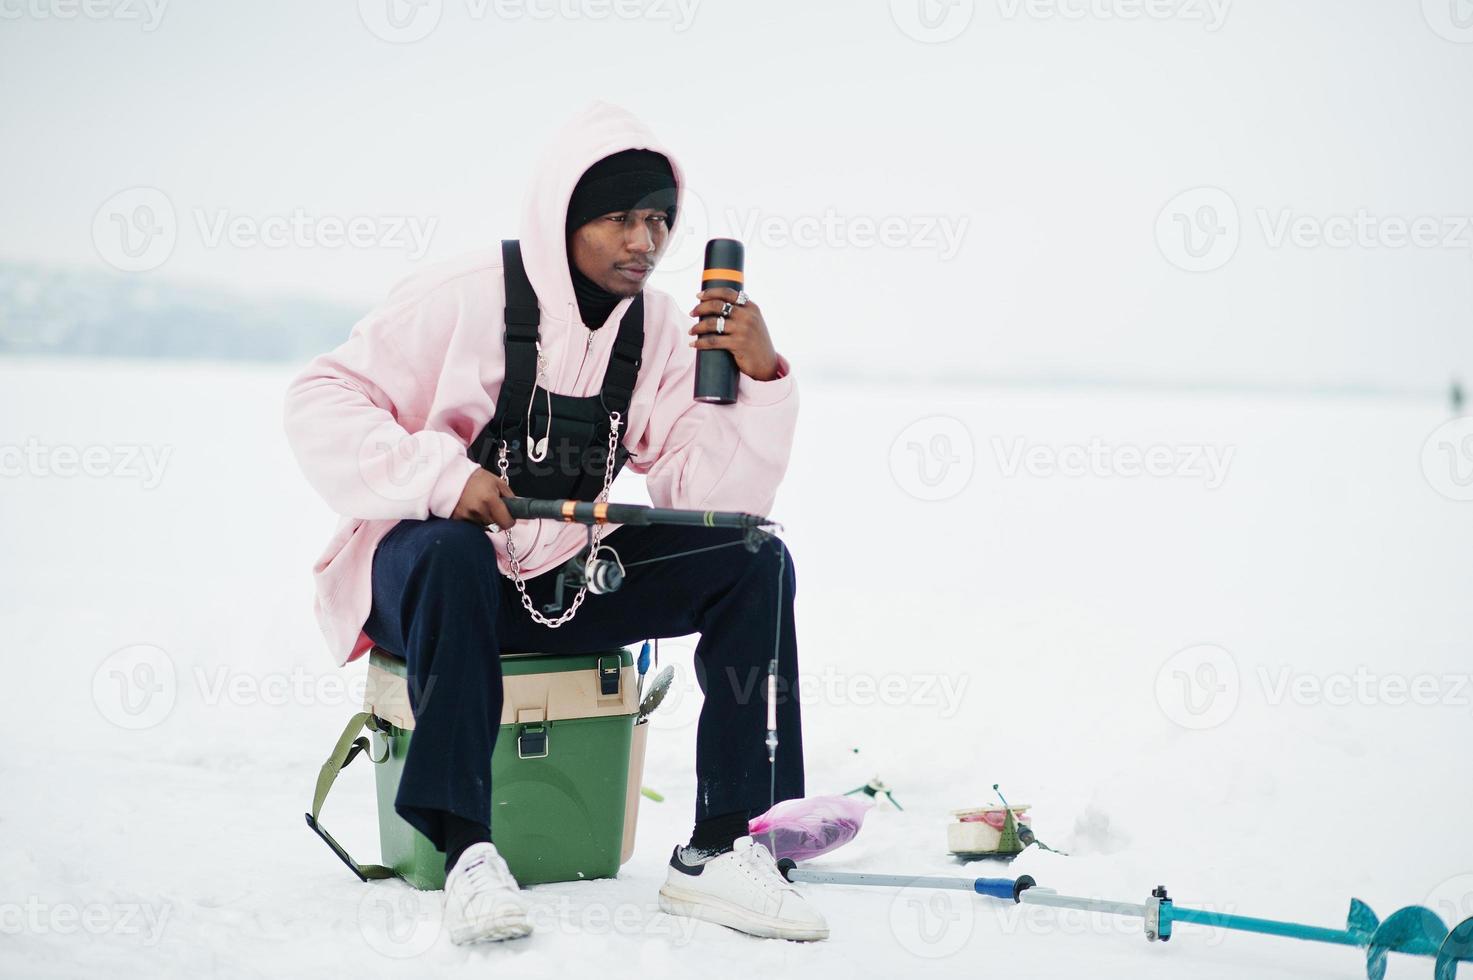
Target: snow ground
(1021, 631)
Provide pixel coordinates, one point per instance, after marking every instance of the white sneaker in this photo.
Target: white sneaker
(743, 890)
(483, 902)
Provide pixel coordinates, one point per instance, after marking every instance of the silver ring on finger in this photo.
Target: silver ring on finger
(721, 324)
(741, 297)
(726, 309)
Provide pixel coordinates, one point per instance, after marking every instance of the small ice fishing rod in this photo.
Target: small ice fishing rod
(585, 512)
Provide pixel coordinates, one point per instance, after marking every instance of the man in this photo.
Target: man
(437, 408)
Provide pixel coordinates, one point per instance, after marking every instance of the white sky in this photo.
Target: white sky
(1052, 133)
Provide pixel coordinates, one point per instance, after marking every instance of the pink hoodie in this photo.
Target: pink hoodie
(380, 425)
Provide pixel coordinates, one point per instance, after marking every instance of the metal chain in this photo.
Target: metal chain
(615, 420)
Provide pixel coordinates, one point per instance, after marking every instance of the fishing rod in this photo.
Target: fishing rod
(1414, 930)
(591, 513)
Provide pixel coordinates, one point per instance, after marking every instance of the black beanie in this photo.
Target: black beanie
(626, 180)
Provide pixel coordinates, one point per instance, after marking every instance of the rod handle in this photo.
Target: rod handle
(1007, 889)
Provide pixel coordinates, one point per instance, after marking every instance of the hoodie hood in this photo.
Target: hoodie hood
(598, 131)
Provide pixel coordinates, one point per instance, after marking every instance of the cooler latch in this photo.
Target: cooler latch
(531, 734)
(609, 670)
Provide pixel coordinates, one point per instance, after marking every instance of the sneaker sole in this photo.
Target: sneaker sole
(710, 909)
(498, 930)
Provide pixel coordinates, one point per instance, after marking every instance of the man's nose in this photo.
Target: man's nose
(641, 239)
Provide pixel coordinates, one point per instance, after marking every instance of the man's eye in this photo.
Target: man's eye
(615, 217)
(661, 218)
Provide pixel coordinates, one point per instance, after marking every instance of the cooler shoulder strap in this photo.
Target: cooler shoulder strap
(350, 745)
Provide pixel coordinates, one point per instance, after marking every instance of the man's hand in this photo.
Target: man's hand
(745, 333)
(480, 501)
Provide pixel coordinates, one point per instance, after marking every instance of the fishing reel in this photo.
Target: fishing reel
(600, 569)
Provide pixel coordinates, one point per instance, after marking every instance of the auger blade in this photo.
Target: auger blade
(1414, 930)
(1457, 946)
(657, 692)
(1361, 920)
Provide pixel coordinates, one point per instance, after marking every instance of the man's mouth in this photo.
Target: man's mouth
(635, 273)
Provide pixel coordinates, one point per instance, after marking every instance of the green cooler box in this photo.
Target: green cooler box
(565, 774)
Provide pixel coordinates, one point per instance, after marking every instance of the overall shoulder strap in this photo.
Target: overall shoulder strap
(521, 319)
(623, 369)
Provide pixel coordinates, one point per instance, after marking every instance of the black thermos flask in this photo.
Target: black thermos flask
(716, 370)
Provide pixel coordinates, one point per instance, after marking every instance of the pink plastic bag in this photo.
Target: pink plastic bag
(805, 828)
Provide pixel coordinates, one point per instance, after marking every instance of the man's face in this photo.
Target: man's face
(619, 249)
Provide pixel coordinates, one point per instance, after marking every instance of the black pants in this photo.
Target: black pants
(440, 602)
